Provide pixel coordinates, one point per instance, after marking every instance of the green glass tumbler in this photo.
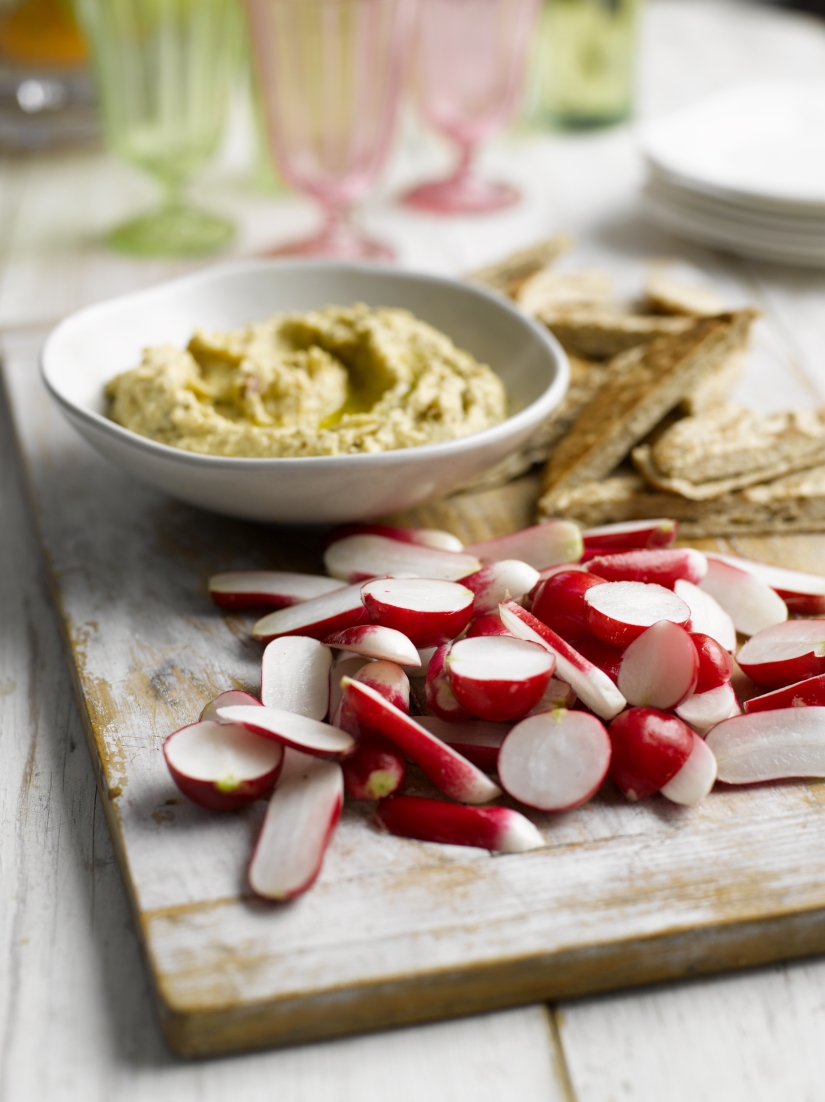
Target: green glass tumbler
(584, 67)
(163, 71)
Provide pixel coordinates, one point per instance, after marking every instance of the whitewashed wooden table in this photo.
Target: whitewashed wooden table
(76, 1018)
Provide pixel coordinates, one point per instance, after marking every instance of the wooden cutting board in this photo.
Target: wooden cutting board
(394, 931)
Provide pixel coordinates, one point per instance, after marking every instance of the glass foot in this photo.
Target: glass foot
(465, 194)
(338, 241)
(172, 231)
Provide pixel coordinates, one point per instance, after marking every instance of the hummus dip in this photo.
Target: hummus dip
(329, 382)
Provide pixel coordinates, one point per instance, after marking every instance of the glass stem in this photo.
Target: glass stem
(465, 162)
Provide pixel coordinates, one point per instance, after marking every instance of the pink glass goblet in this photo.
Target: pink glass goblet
(469, 69)
(330, 74)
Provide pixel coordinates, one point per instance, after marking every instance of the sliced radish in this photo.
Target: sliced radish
(388, 679)
(701, 711)
(750, 603)
(559, 602)
(231, 696)
(497, 677)
(278, 588)
(592, 686)
(662, 566)
(659, 668)
(374, 641)
(618, 612)
(350, 667)
(696, 777)
(488, 624)
(449, 771)
(631, 533)
(715, 664)
(804, 594)
(295, 676)
(784, 653)
(426, 537)
(495, 828)
(543, 545)
(558, 694)
(554, 761)
(707, 615)
(649, 749)
(317, 618)
(300, 820)
(607, 658)
(801, 694)
(508, 579)
(429, 612)
(220, 765)
(309, 736)
(438, 692)
(769, 746)
(375, 770)
(475, 739)
(359, 558)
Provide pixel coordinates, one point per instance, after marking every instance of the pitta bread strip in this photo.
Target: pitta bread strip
(705, 491)
(548, 290)
(599, 333)
(715, 390)
(664, 295)
(508, 274)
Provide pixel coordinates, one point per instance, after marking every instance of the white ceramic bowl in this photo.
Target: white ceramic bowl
(91, 346)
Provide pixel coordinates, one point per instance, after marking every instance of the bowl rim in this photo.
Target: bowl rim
(534, 412)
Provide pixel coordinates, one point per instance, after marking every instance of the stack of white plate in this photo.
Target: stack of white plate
(743, 171)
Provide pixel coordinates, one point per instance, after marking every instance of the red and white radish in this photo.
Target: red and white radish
(499, 829)
(386, 678)
(784, 653)
(750, 603)
(348, 668)
(475, 739)
(222, 766)
(649, 749)
(438, 691)
(426, 537)
(772, 745)
(231, 696)
(497, 677)
(295, 676)
(706, 615)
(374, 641)
(317, 618)
(277, 588)
(508, 579)
(660, 667)
(802, 694)
(702, 711)
(558, 694)
(359, 558)
(663, 566)
(449, 771)
(591, 685)
(715, 664)
(618, 612)
(300, 821)
(629, 534)
(554, 761)
(607, 658)
(488, 624)
(696, 777)
(804, 594)
(543, 545)
(559, 602)
(375, 770)
(428, 611)
(309, 736)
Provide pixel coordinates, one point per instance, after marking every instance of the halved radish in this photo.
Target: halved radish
(607, 658)
(769, 746)
(618, 612)
(508, 579)
(309, 736)
(784, 653)
(475, 739)
(231, 696)
(449, 771)
(660, 667)
(277, 588)
(317, 618)
(631, 533)
(438, 692)
(804, 594)
(649, 749)
(388, 679)
(707, 615)
(542, 545)
(554, 761)
(295, 676)
(428, 611)
(702, 711)
(696, 777)
(592, 686)
(497, 677)
(664, 566)
(359, 558)
(220, 765)
(488, 624)
(375, 770)
(499, 829)
(801, 694)
(558, 694)
(715, 664)
(750, 603)
(426, 537)
(559, 602)
(300, 820)
(374, 641)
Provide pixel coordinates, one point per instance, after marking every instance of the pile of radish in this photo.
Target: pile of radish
(548, 660)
